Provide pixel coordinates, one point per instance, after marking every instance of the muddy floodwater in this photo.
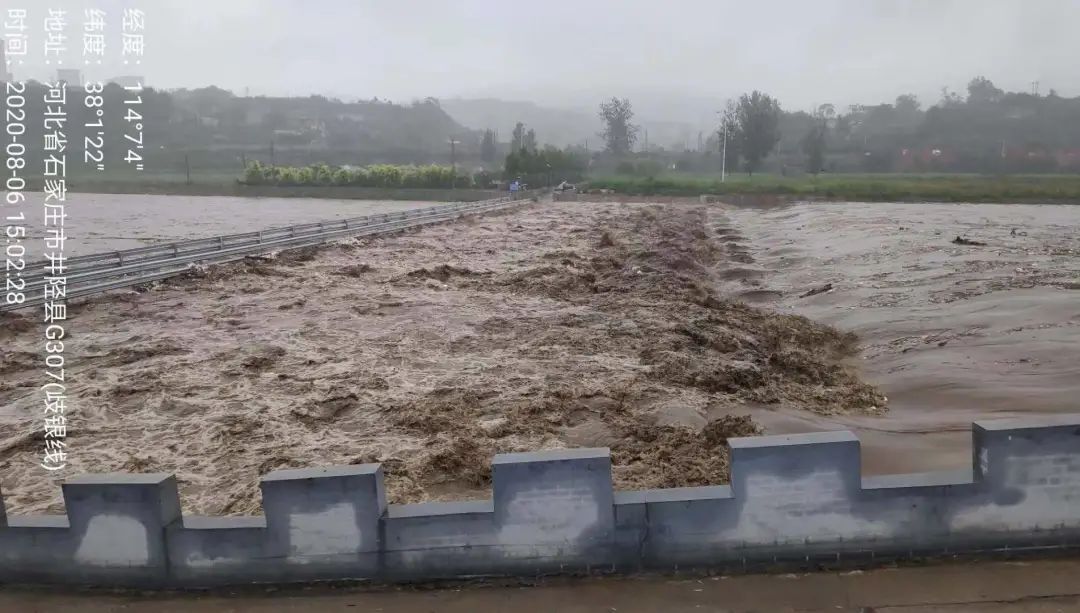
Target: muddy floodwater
(951, 333)
(655, 330)
(105, 222)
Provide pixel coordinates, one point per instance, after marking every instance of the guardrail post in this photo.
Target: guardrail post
(221, 243)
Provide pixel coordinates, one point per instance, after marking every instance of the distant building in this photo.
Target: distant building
(1068, 158)
(924, 158)
(71, 76)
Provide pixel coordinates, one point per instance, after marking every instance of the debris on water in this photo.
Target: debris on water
(817, 290)
(551, 341)
(442, 272)
(966, 241)
(354, 270)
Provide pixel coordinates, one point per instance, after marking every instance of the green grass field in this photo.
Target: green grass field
(854, 187)
(859, 187)
(225, 184)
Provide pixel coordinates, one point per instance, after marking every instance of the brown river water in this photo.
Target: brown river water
(105, 222)
(173, 379)
(950, 333)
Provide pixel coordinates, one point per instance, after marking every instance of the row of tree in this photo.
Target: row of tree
(378, 175)
(750, 129)
(209, 129)
(547, 166)
(215, 128)
(988, 130)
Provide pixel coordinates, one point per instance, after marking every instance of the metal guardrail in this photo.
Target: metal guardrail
(96, 273)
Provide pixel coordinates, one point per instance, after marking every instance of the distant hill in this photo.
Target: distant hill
(559, 127)
(211, 116)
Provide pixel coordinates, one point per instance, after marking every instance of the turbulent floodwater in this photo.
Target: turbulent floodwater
(555, 325)
(951, 333)
(562, 324)
(106, 222)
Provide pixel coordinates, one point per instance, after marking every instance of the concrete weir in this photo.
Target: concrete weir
(796, 501)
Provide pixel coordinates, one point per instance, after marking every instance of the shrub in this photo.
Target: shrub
(380, 175)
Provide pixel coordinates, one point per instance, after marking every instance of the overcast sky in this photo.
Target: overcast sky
(571, 53)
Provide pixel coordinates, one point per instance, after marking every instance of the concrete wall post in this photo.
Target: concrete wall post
(117, 525)
(318, 518)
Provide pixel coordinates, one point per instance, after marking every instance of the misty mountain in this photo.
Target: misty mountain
(569, 127)
(559, 127)
(212, 115)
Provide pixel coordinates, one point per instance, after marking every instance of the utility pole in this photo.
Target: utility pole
(453, 163)
(722, 136)
(723, 158)
(271, 152)
(187, 167)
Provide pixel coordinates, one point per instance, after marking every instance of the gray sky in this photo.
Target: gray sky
(679, 53)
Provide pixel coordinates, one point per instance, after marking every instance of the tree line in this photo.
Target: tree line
(987, 130)
(377, 175)
(220, 129)
(984, 129)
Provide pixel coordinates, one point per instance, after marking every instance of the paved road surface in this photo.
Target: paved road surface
(999, 587)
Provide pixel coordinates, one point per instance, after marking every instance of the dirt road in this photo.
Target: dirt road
(1038, 587)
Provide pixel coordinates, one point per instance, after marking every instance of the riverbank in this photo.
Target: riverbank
(230, 187)
(1038, 189)
(860, 188)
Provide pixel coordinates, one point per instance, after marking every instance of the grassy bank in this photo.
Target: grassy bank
(891, 188)
(227, 185)
(857, 187)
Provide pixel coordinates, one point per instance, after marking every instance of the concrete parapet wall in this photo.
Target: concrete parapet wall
(795, 500)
